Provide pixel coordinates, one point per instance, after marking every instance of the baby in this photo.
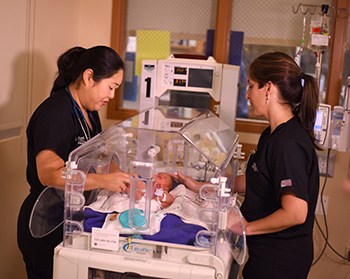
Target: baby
(162, 184)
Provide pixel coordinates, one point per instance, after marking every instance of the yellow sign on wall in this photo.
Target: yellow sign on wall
(151, 44)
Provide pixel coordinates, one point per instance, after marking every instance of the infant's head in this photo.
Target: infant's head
(160, 180)
(164, 180)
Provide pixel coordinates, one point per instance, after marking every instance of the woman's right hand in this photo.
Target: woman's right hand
(114, 182)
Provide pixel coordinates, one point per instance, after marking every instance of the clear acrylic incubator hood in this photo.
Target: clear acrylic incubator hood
(158, 140)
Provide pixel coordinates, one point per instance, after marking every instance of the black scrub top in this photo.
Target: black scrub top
(285, 160)
(54, 125)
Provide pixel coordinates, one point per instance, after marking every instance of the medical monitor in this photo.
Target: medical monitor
(189, 75)
(322, 127)
(191, 82)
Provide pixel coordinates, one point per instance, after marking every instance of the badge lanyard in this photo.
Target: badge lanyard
(79, 114)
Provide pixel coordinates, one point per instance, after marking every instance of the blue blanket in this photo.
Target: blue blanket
(172, 228)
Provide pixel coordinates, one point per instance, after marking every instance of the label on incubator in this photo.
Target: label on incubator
(105, 239)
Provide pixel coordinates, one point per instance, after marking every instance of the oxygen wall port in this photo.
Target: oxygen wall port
(322, 163)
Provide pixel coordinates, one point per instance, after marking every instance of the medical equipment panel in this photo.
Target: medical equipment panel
(186, 74)
(322, 125)
(190, 83)
(161, 139)
(340, 129)
(332, 128)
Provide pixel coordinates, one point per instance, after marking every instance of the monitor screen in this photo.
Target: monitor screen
(202, 78)
(318, 121)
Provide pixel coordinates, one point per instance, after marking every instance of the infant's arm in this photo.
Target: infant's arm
(167, 199)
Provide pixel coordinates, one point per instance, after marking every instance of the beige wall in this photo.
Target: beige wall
(330, 265)
(34, 34)
(12, 153)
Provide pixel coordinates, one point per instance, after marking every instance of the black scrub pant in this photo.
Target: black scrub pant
(37, 252)
(270, 258)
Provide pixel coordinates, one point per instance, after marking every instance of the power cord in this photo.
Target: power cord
(325, 237)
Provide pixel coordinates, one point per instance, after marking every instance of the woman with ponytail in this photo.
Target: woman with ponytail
(86, 81)
(281, 182)
(282, 176)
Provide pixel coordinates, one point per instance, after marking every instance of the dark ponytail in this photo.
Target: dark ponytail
(306, 110)
(297, 89)
(65, 64)
(104, 61)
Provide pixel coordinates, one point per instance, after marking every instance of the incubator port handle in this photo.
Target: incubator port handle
(74, 200)
(205, 238)
(75, 181)
(208, 191)
(73, 228)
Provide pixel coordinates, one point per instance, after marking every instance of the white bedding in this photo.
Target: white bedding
(187, 205)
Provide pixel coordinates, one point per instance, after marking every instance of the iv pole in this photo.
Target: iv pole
(319, 57)
(318, 53)
(340, 14)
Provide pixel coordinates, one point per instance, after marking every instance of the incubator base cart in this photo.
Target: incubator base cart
(162, 139)
(139, 259)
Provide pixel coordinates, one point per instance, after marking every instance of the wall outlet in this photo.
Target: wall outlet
(319, 209)
(322, 163)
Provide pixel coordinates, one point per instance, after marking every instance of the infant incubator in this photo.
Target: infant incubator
(163, 139)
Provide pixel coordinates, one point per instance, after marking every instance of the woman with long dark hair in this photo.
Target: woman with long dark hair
(86, 81)
(282, 177)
